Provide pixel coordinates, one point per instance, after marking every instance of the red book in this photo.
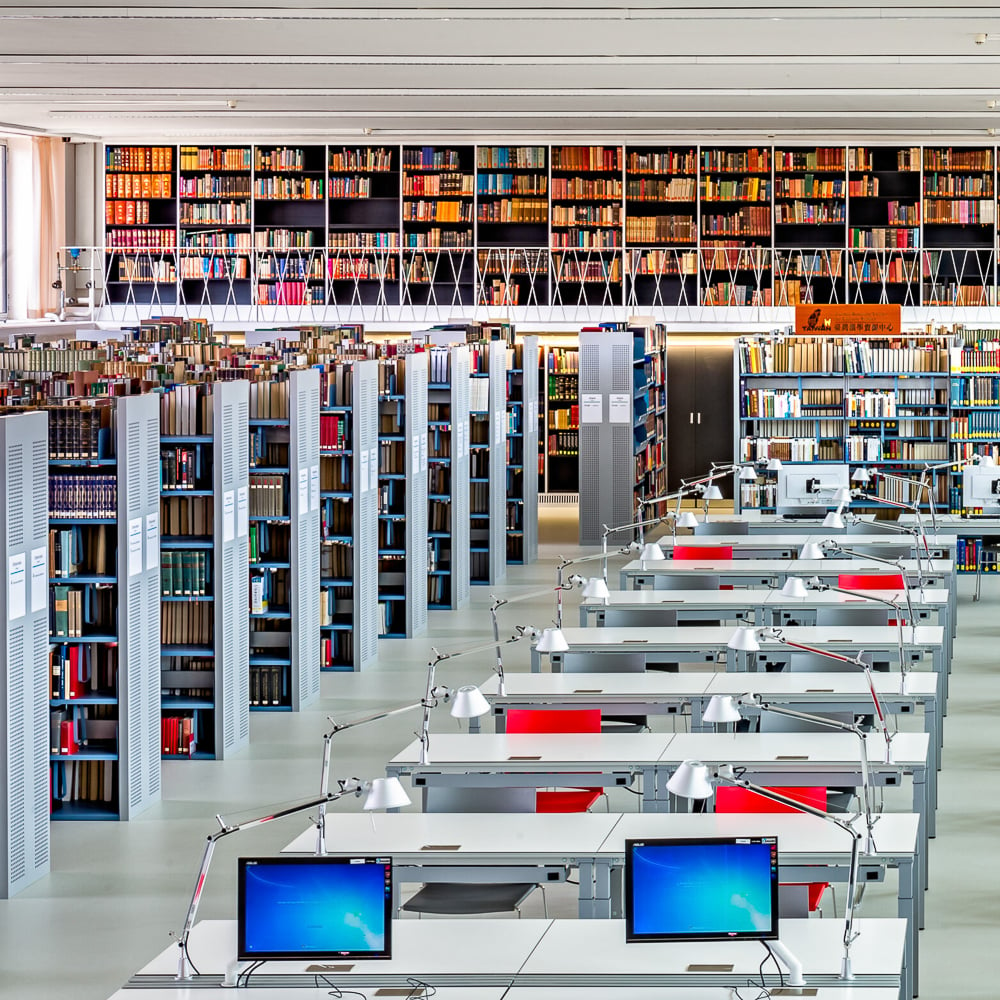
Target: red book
(75, 687)
(67, 739)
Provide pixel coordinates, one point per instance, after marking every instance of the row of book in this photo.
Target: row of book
(268, 495)
(269, 400)
(980, 390)
(758, 449)
(187, 624)
(649, 189)
(185, 573)
(563, 443)
(370, 159)
(267, 687)
(984, 357)
(156, 159)
(178, 735)
(496, 185)
(83, 496)
(182, 468)
(803, 354)
(661, 229)
(142, 186)
(510, 157)
(290, 293)
(187, 516)
(524, 210)
(214, 158)
(221, 213)
(440, 185)
(288, 188)
(976, 424)
(209, 186)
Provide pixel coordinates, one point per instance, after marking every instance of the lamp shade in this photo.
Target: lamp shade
(833, 520)
(712, 492)
(747, 472)
(842, 495)
(552, 641)
(651, 552)
(468, 703)
(721, 708)
(690, 781)
(794, 587)
(987, 460)
(386, 793)
(811, 551)
(861, 475)
(773, 464)
(687, 520)
(596, 589)
(744, 638)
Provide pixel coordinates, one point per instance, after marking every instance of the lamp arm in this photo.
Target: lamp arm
(349, 786)
(846, 972)
(897, 563)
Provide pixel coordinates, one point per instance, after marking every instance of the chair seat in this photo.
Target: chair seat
(466, 898)
(568, 800)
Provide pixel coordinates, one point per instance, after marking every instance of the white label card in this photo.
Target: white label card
(499, 436)
(314, 487)
(228, 516)
(39, 578)
(303, 493)
(416, 456)
(423, 452)
(591, 408)
(242, 512)
(373, 468)
(16, 571)
(152, 541)
(620, 408)
(134, 546)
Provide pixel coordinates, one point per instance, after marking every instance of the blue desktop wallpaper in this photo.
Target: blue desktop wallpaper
(709, 889)
(314, 909)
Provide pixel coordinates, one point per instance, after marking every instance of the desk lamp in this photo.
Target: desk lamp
(381, 793)
(577, 580)
(814, 583)
(811, 550)
(913, 509)
(727, 707)
(747, 639)
(794, 587)
(835, 518)
(694, 780)
(831, 547)
(690, 487)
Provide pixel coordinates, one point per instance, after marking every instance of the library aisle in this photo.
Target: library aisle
(118, 889)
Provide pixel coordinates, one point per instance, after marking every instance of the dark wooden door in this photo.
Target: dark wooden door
(699, 411)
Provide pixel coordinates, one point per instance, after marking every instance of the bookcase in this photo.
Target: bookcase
(735, 210)
(512, 224)
(216, 214)
(522, 451)
(402, 511)
(617, 422)
(205, 636)
(363, 195)
(349, 497)
(860, 400)
(290, 226)
(24, 621)
(650, 418)
(883, 215)
(559, 425)
(103, 548)
(487, 462)
(439, 194)
(140, 225)
(661, 224)
(448, 465)
(284, 540)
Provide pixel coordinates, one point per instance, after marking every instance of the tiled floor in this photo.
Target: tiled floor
(117, 890)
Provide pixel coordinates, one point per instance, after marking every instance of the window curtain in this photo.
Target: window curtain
(48, 202)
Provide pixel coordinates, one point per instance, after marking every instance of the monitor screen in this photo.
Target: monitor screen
(701, 890)
(981, 486)
(318, 907)
(810, 488)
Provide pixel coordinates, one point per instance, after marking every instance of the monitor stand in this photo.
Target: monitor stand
(234, 970)
(791, 963)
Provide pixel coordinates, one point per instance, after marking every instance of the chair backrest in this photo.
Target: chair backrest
(548, 720)
(442, 799)
(868, 528)
(601, 663)
(696, 581)
(871, 581)
(703, 552)
(871, 615)
(730, 799)
(639, 618)
(772, 723)
(722, 528)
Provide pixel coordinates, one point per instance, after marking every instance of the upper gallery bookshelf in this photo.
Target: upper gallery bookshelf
(453, 227)
(214, 189)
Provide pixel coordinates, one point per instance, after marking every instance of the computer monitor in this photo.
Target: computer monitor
(810, 489)
(318, 907)
(718, 889)
(981, 487)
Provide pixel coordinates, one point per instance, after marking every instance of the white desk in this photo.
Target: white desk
(680, 993)
(786, 545)
(304, 992)
(546, 954)
(471, 847)
(655, 693)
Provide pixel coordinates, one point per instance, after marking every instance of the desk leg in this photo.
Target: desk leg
(617, 912)
(907, 910)
(697, 709)
(585, 896)
(922, 799)
(499, 720)
(934, 729)
(602, 890)
(653, 798)
(583, 617)
(536, 661)
(474, 726)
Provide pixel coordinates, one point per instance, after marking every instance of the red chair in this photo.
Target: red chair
(703, 552)
(872, 581)
(729, 799)
(574, 720)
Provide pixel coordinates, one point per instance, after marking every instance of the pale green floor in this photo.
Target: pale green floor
(118, 889)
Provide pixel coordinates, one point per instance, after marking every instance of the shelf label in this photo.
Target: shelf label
(134, 546)
(39, 578)
(152, 541)
(303, 493)
(242, 512)
(416, 456)
(16, 569)
(314, 487)
(423, 452)
(620, 408)
(499, 435)
(373, 469)
(228, 516)
(591, 408)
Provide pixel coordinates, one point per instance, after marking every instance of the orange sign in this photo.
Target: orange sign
(849, 320)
